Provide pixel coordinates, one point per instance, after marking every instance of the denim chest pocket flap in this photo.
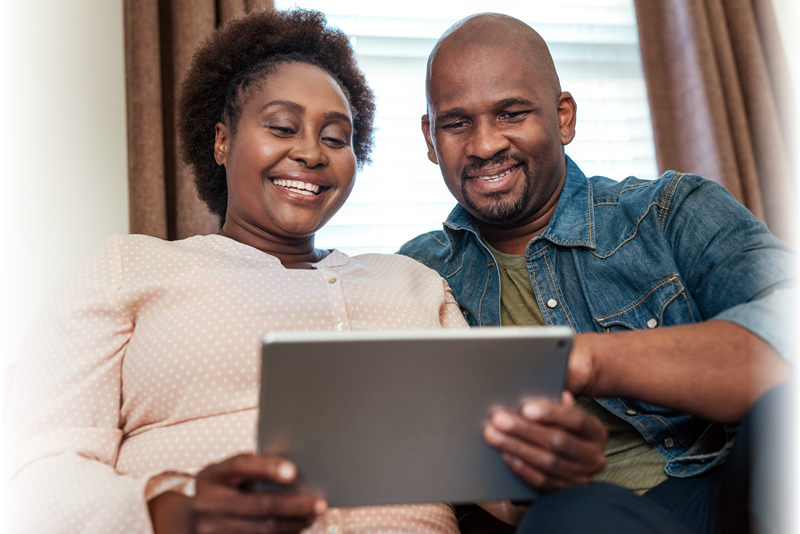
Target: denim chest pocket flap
(662, 304)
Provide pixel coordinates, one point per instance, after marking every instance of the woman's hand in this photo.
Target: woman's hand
(549, 445)
(221, 504)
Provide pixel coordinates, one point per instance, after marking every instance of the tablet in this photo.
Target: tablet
(395, 417)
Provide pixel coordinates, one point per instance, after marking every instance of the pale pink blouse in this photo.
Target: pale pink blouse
(142, 369)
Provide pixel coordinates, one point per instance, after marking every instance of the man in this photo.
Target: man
(676, 294)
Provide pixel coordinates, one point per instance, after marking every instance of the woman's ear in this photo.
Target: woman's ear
(221, 143)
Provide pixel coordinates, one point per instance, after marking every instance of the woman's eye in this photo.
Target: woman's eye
(334, 142)
(282, 130)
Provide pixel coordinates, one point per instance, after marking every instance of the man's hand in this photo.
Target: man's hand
(549, 445)
(222, 505)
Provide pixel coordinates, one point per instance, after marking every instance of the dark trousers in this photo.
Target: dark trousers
(745, 495)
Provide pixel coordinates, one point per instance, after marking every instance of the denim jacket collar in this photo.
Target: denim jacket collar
(568, 227)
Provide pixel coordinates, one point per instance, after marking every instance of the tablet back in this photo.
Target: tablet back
(397, 417)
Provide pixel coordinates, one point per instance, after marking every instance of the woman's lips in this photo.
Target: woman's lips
(298, 186)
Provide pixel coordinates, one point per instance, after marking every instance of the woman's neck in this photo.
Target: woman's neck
(293, 253)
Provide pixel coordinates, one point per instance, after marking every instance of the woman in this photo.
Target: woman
(134, 405)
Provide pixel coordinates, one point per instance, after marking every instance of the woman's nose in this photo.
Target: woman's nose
(309, 152)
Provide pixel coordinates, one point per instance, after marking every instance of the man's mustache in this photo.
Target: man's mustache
(477, 164)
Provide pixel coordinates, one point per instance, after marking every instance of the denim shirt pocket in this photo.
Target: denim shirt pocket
(662, 304)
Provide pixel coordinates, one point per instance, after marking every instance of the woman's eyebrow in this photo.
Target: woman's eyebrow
(285, 103)
(298, 107)
(337, 115)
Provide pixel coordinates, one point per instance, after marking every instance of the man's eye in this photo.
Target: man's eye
(454, 126)
(513, 115)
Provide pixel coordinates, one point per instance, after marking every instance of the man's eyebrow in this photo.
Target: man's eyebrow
(508, 102)
(450, 114)
(500, 104)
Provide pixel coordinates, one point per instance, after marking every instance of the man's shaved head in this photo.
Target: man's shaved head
(499, 32)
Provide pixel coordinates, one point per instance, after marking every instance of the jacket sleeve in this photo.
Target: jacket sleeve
(63, 415)
(735, 269)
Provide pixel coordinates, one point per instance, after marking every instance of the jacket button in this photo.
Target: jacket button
(552, 303)
(652, 323)
(668, 443)
(491, 264)
(630, 412)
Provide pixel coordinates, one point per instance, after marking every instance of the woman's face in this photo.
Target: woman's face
(290, 164)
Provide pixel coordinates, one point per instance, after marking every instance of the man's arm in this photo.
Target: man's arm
(715, 370)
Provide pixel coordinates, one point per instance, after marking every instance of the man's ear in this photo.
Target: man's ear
(221, 143)
(426, 131)
(567, 115)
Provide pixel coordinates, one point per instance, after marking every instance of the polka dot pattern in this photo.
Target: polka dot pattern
(143, 368)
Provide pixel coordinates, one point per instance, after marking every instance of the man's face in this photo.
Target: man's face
(496, 129)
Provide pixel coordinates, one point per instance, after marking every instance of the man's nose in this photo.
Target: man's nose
(309, 152)
(486, 140)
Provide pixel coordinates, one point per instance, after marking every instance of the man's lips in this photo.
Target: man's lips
(496, 175)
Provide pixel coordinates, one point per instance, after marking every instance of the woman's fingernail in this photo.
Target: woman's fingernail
(320, 507)
(286, 471)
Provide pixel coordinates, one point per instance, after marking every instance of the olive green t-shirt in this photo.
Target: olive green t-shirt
(631, 462)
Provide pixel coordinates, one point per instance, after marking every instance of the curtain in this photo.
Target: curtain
(721, 100)
(160, 36)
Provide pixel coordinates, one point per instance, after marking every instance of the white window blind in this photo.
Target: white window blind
(594, 44)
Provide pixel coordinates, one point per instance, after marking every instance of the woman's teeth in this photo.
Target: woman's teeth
(303, 188)
(495, 177)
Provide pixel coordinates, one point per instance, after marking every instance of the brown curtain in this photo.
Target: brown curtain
(160, 36)
(721, 99)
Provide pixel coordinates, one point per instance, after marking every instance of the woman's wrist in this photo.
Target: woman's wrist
(170, 513)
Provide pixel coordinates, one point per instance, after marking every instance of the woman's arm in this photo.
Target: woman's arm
(222, 505)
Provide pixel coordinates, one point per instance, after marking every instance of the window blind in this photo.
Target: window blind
(594, 44)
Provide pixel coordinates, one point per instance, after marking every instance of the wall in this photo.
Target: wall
(64, 188)
(788, 13)
(64, 185)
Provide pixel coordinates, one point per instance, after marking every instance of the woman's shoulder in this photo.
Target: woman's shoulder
(397, 263)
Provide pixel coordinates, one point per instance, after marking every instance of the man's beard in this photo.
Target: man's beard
(500, 210)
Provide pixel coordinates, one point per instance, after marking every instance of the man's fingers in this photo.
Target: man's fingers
(570, 459)
(540, 479)
(567, 416)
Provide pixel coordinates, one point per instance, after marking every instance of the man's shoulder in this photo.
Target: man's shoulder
(431, 248)
(666, 189)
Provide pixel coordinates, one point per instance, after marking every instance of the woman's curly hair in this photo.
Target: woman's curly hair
(239, 54)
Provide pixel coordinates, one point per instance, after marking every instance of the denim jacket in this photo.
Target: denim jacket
(632, 255)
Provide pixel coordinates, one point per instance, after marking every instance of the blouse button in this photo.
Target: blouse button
(333, 529)
(332, 281)
(341, 327)
(552, 303)
(652, 323)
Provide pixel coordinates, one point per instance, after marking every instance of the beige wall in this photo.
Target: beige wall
(64, 183)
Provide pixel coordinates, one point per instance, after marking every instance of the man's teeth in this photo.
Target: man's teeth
(495, 177)
(297, 186)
